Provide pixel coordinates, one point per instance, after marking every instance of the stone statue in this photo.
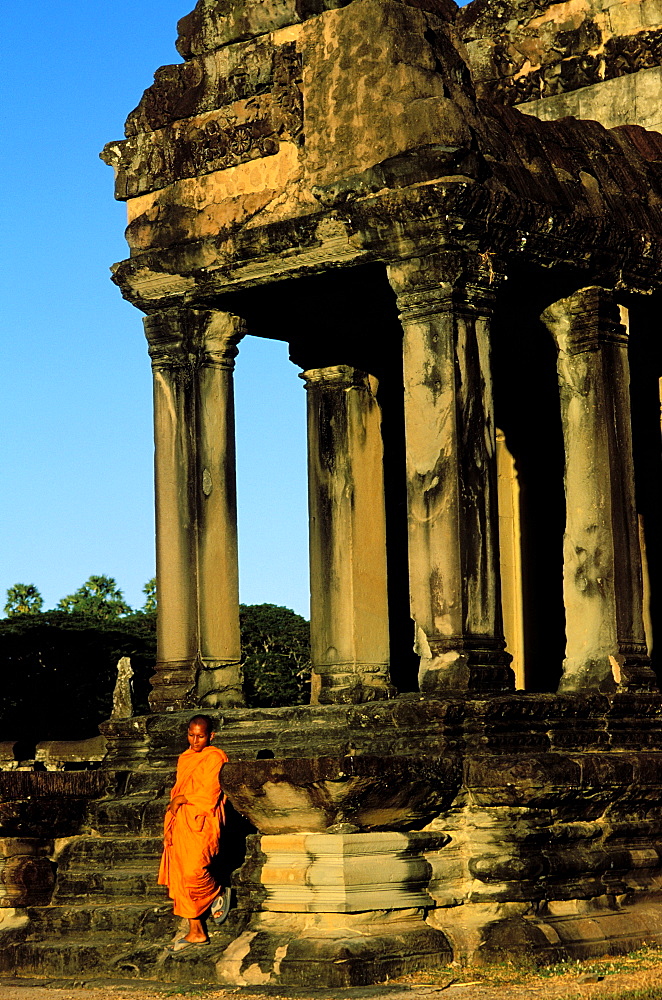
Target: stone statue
(122, 702)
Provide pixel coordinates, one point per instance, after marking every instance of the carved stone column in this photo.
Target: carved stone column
(349, 608)
(198, 646)
(445, 304)
(602, 585)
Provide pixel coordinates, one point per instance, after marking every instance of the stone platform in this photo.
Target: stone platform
(385, 838)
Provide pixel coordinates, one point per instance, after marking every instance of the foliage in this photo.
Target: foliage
(99, 596)
(59, 671)
(149, 590)
(59, 667)
(23, 599)
(276, 649)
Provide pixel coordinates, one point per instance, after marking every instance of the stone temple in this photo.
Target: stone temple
(453, 216)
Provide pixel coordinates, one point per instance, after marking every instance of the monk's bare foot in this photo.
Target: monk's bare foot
(197, 933)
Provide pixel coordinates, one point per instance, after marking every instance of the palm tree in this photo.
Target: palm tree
(23, 599)
(100, 596)
(149, 590)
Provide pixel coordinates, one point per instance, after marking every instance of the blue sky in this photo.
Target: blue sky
(75, 441)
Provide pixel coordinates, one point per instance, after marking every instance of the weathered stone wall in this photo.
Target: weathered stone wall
(635, 98)
(38, 812)
(524, 824)
(588, 58)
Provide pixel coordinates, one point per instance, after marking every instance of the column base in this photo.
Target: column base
(627, 670)
(350, 683)
(332, 949)
(346, 872)
(334, 910)
(173, 686)
(479, 666)
(219, 684)
(636, 671)
(182, 684)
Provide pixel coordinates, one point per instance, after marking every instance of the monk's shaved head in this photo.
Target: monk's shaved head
(203, 720)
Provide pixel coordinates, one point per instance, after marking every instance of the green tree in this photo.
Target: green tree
(149, 590)
(23, 599)
(59, 670)
(276, 650)
(98, 596)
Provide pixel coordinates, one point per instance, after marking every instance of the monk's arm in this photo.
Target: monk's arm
(179, 800)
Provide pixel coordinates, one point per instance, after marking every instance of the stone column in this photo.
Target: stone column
(602, 584)
(349, 608)
(510, 557)
(198, 647)
(445, 304)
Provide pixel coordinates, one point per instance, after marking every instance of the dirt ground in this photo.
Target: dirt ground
(634, 977)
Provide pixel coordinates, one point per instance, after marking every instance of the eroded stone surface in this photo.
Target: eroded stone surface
(523, 52)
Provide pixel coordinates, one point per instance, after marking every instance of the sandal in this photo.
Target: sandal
(221, 906)
(182, 943)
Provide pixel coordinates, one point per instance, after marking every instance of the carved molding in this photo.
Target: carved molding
(181, 339)
(450, 281)
(585, 321)
(339, 377)
(207, 137)
(344, 873)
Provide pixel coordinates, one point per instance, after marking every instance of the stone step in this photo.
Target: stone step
(152, 782)
(148, 921)
(109, 852)
(129, 884)
(194, 965)
(95, 955)
(104, 953)
(133, 814)
(191, 965)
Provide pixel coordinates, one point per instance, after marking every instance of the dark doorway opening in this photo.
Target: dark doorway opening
(527, 411)
(645, 352)
(349, 317)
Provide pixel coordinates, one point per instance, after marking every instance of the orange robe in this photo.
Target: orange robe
(192, 835)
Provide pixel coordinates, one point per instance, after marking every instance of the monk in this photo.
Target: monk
(192, 829)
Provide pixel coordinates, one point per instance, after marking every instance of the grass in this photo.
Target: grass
(187, 991)
(567, 975)
(647, 993)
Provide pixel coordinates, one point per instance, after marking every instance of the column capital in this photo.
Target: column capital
(339, 377)
(187, 338)
(448, 280)
(585, 321)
